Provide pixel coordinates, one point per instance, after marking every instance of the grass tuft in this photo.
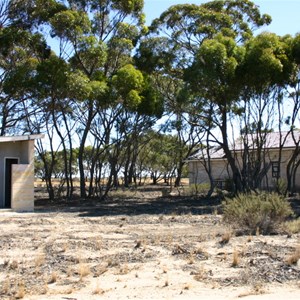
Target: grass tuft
(53, 277)
(21, 291)
(83, 270)
(235, 258)
(292, 227)
(294, 257)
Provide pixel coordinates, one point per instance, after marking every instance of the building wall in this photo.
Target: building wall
(24, 151)
(273, 155)
(198, 174)
(221, 171)
(22, 195)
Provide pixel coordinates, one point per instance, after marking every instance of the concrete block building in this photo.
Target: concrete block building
(17, 172)
(274, 161)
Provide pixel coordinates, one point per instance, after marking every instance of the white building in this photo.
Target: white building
(17, 172)
(272, 160)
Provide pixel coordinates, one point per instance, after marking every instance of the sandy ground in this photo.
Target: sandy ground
(150, 248)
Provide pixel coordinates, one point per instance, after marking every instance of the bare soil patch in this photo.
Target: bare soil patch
(140, 247)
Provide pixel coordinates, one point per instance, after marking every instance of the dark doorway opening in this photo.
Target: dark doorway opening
(8, 163)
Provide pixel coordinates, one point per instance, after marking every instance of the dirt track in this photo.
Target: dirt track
(146, 247)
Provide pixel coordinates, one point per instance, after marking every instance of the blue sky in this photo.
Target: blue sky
(285, 13)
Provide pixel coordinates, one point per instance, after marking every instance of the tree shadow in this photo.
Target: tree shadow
(141, 203)
(134, 206)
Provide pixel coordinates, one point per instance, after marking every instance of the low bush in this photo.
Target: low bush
(292, 227)
(251, 213)
(197, 189)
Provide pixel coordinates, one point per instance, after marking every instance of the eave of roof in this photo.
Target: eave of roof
(19, 138)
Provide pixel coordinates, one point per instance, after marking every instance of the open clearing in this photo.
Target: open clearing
(142, 247)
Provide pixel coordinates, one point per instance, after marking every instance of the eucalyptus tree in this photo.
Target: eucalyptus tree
(95, 39)
(157, 57)
(206, 41)
(157, 158)
(265, 75)
(292, 120)
(20, 53)
(142, 105)
(53, 79)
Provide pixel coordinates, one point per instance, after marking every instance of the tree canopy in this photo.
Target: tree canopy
(121, 98)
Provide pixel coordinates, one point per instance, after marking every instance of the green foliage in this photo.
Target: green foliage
(128, 78)
(191, 22)
(127, 7)
(98, 90)
(129, 82)
(159, 155)
(51, 76)
(30, 13)
(296, 48)
(251, 212)
(214, 72)
(152, 102)
(70, 24)
(55, 161)
(78, 85)
(266, 62)
(292, 227)
(198, 189)
(91, 55)
(281, 186)
(156, 53)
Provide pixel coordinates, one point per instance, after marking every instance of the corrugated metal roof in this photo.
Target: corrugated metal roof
(270, 140)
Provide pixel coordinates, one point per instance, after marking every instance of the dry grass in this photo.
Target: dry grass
(201, 274)
(257, 289)
(84, 270)
(225, 237)
(14, 265)
(98, 244)
(39, 260)
(166, 283)
(6, 286)
(294, 257)
(20, 294)
(53, 277)
(97, 290)
(235, 258)
(292, 227)
(124, 270)
(138, 244)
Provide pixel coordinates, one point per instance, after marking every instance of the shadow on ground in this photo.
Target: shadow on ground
(146, 201)
(132, 206)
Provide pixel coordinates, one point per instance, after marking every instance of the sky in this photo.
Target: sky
(285, 13)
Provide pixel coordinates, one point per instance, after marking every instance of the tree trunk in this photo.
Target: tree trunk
(236, 176)
(81, 150)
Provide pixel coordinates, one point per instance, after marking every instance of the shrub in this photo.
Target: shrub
(281, 186)
(251, 212)
(198, 189)
(292, 227)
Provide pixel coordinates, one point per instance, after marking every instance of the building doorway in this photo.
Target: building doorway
(7, 185)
